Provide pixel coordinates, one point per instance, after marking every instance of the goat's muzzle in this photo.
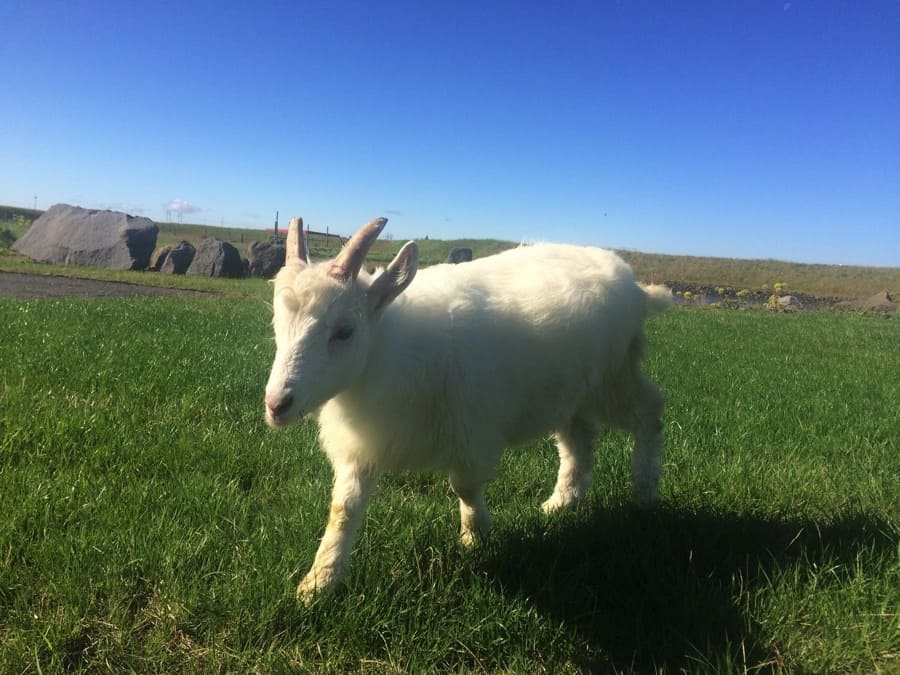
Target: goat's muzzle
(277, 408)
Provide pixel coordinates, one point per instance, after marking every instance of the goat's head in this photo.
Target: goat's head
(324, 315)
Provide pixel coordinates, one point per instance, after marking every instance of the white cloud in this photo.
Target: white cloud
(182, 206)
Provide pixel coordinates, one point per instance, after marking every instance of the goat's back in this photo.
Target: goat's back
(540, 287)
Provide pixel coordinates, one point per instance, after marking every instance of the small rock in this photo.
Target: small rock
(789, 303)
(459, 254)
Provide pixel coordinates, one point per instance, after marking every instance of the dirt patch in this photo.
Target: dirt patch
(16, 285)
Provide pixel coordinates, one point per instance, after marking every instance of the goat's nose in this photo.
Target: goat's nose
(279, 404)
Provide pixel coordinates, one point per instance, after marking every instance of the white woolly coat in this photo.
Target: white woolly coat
(475, 357)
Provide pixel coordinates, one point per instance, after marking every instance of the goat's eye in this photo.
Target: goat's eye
(342, 334)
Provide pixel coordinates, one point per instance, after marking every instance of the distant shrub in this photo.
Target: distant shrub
(13, 228)
(6, 238)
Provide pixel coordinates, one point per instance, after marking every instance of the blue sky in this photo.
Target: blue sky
(741, 129)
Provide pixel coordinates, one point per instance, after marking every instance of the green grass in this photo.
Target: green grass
(151, 522)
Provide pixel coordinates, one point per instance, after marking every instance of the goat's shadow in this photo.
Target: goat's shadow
(664, 589)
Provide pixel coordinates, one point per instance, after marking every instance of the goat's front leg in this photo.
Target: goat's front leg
(353, 485)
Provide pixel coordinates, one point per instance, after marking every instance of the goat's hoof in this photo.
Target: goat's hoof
(313, 585)
(552, 505)
(468, 539)
(471, 538)
(306, 592)
(561, 500)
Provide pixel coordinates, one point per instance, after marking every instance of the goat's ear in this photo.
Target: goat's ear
(398, 275)
(295, 248)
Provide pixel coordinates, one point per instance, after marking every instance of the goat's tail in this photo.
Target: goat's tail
(659, 298)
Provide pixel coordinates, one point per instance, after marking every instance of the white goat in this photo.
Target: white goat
(469, 360)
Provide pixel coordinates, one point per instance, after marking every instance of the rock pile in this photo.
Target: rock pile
(459, 254)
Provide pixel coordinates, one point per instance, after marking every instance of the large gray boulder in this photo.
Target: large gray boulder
(72, 235)
(216, 258)
(265, 259)
(179, 259)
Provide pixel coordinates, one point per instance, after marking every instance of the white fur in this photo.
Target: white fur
(468, 360)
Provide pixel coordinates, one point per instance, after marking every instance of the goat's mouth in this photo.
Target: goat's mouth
(283, 420)
(282, 411)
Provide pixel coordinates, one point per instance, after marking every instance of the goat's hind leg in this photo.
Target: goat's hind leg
(474, 517)
(575, 443)
(646, 457)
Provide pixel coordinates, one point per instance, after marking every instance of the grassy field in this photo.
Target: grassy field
(845, 281)
(151, 522)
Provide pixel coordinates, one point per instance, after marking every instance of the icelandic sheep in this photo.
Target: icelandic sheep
(446, 372)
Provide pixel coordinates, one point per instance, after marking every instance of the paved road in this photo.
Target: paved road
(14, 285)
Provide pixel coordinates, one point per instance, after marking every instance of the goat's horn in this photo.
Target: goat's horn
(349, 261)
(295, 248)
